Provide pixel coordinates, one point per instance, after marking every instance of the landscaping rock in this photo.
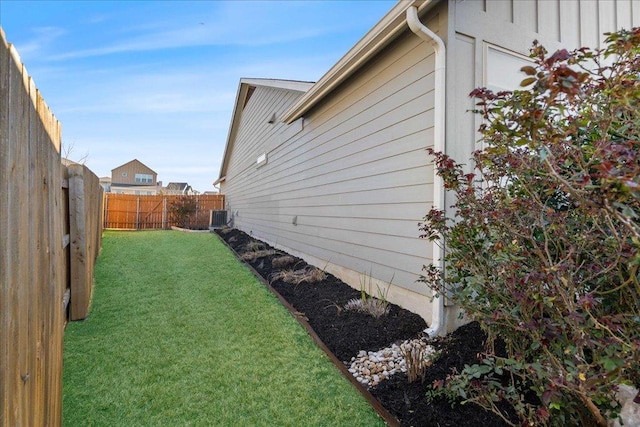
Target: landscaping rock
(630, 413)
(370, 368)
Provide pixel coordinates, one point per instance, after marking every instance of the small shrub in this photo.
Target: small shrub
(544, 248)
(182, 211)
(417, 356)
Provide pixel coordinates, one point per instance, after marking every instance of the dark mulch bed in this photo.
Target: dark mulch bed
(345, 333)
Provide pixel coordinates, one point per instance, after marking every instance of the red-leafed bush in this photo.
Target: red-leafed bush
(542, 246)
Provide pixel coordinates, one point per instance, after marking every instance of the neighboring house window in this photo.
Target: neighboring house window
(143, 178)
(124, 174)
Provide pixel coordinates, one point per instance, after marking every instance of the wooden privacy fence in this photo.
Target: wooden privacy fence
(85, 220)
(133, 212)
(50, 232)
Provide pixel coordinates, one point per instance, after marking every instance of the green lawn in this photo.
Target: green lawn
(180, 333)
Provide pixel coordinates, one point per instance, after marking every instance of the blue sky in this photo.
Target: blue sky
(156, 80)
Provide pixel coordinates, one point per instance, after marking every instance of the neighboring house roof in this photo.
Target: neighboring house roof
(386, 30)
(177, 186)
(134, 161)
(245, 90)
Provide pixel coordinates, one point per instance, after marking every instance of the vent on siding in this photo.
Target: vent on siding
(261, 160)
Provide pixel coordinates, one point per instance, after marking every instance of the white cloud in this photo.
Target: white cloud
(169, 103)
(42, 39)
(235, 23)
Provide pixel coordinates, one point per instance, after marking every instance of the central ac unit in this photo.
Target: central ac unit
(217, 219)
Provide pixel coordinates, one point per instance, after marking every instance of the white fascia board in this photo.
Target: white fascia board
(243, 88)
(296, 85)
(233, 126)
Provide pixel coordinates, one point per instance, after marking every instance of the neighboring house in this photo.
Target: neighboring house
(337, 172)
(105, 183)
(178, 188)
(134, 177)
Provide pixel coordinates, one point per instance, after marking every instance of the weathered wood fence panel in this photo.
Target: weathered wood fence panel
(133, 212)
(85, 219)
(32, 288)
(34, 265)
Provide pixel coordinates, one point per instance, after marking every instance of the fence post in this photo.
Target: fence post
(105, 213)
(137, 212)
(197, 203)
(164, 212)
(80, 274)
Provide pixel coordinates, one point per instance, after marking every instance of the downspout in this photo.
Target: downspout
(437, 326)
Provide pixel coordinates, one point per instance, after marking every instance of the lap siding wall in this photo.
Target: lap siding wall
(351, 187)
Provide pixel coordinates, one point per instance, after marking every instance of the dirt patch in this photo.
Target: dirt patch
(347, 332)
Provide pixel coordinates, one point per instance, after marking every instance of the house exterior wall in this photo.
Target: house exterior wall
(489, 40)
(345, 186)
(126, 173)
(482, 28)
(347, 189)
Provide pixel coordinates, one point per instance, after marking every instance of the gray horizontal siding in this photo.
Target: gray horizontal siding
(357, 178)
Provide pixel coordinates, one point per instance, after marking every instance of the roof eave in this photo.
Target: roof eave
(387, 29)
(243, 88)
(233, 126)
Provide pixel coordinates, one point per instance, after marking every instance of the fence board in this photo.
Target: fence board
(52, 369)
(134, 212)
(34, 262)
(19, 281)
(38, 271)
(5, 257)
(85, 216)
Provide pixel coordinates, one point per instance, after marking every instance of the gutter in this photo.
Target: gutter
(437, 326)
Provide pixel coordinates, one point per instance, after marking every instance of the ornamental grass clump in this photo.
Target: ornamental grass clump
(376, 307)
(254, 246)
(251, 255)
(371, 306)
(308, 275)
(543, 251)
(283, 261)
